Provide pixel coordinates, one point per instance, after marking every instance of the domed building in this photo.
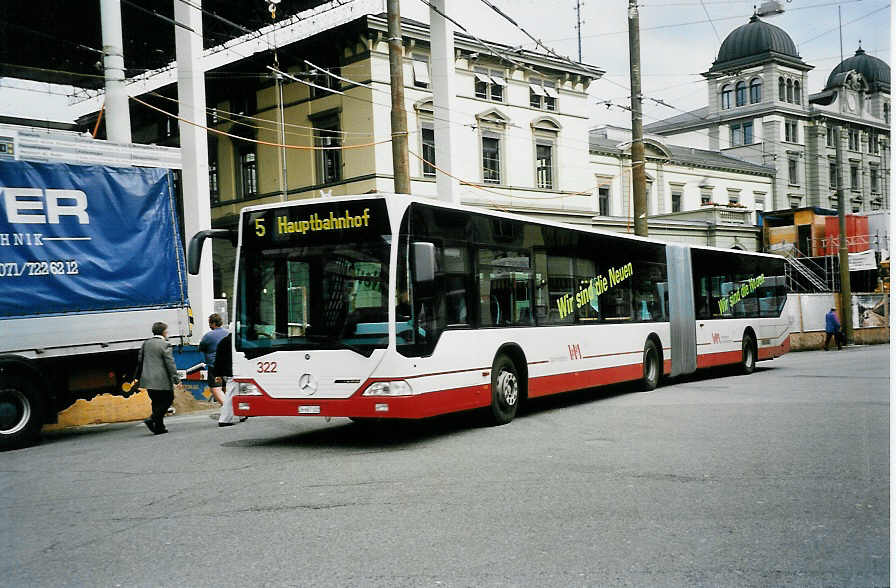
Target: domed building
(759, 110)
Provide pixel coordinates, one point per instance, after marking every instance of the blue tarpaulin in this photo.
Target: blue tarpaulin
(87, 238)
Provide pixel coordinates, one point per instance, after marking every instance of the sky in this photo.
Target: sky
(679, 40)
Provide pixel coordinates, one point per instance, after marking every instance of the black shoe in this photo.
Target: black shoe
(244, 419)
(226, 424)
(150, 424)
(161, 431)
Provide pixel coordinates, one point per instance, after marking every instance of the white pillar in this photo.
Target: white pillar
(443, 99)
(118, 117)
(194, 153)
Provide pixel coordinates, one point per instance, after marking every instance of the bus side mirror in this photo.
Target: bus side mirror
(194, 249)
(424, 262)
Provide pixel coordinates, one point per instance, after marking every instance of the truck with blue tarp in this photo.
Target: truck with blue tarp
(90, 258)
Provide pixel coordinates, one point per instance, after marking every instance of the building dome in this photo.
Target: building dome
(754, 42)
(875, 71)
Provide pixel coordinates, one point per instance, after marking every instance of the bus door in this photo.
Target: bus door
(682, 323)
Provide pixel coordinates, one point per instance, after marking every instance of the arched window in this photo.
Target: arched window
(740, 93)
(886, 112)
(790, 90)
(725, 97)
(755, 91)
(781, 89)
(797, 96)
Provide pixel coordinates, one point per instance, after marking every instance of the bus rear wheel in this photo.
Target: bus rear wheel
(748, 355)
(651, 375)
(21, 413)
(505, 390)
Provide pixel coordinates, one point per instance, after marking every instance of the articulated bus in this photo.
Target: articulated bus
(392, 306)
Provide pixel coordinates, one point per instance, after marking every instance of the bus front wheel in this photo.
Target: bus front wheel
(505, 390)
(651, 376)
(748, 355)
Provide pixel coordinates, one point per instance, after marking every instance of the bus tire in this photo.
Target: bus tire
(651, 367)
(21, 412)
(748, 355)
(505, 390)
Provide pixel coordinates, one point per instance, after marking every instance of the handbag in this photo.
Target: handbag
(128, 386)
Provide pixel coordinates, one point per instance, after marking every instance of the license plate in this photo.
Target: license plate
(309, 410)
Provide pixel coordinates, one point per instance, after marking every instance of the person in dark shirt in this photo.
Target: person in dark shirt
(209, 347)
(831, 329)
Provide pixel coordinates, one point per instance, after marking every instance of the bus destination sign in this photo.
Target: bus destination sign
(317, 223)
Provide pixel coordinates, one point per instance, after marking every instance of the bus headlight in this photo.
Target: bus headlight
(248, 389)
(393, 388)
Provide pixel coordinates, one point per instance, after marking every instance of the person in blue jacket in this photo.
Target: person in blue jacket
(831, 329)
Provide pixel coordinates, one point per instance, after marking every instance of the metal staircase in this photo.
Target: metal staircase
(804, 267)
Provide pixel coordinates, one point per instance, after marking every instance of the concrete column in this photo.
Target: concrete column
(118, 117)
(443, 100)
(194, 152)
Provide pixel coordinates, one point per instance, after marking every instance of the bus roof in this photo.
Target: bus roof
(408, 199)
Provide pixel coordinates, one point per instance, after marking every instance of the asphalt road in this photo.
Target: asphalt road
(775, 479)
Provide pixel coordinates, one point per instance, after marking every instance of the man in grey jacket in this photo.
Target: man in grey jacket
(158, 375)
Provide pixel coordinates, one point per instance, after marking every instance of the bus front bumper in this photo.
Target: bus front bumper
(415, 406)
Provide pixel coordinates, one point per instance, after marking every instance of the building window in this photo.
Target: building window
(421, 71)
(543, 94)
(603, 200)
(742, 133)
(781, 95)
(705, 196)
(329, 160)
(872, 176)
(740, 94)
(325, 81)
(676, 200)
(832, 175)
(854, 140)
(428, 139)
(854, 177)
(213, 190)
(248, 174)
(733, 197)
(726, 97)
(759, 200)
(873, 146)
(829, 141)
(544, 164)
(489, 84)
(790, 90)
(797, 94)
(792, 172)
(755, 91)
(791, 131)
(491, 158)
(886, 112)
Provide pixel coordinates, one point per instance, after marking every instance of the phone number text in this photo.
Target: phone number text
(55, 267)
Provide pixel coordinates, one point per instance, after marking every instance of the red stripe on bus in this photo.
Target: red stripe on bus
(722, 358)
(557, 383)
(776, 351)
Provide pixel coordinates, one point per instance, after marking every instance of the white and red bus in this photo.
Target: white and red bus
(391, 306)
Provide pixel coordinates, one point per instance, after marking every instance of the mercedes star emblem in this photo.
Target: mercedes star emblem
(308, 384)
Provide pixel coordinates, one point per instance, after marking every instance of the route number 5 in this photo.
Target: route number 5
(259, 227)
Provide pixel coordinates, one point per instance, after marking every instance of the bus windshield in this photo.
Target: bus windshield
(313, 291)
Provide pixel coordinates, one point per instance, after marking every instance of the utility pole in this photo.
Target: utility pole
(118, 117)
(442, 65)
(579, 26)
(639, 180)
(194, 149)
(843, 252)
(399, 115)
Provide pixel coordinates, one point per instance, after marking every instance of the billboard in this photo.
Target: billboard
(87, 238)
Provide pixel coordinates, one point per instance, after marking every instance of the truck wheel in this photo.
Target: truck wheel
(21, 413)
(748, 355)
(505, 390)
(652, 370)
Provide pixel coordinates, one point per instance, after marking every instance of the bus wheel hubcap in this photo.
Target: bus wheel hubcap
(507, 388)
(15, 411)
